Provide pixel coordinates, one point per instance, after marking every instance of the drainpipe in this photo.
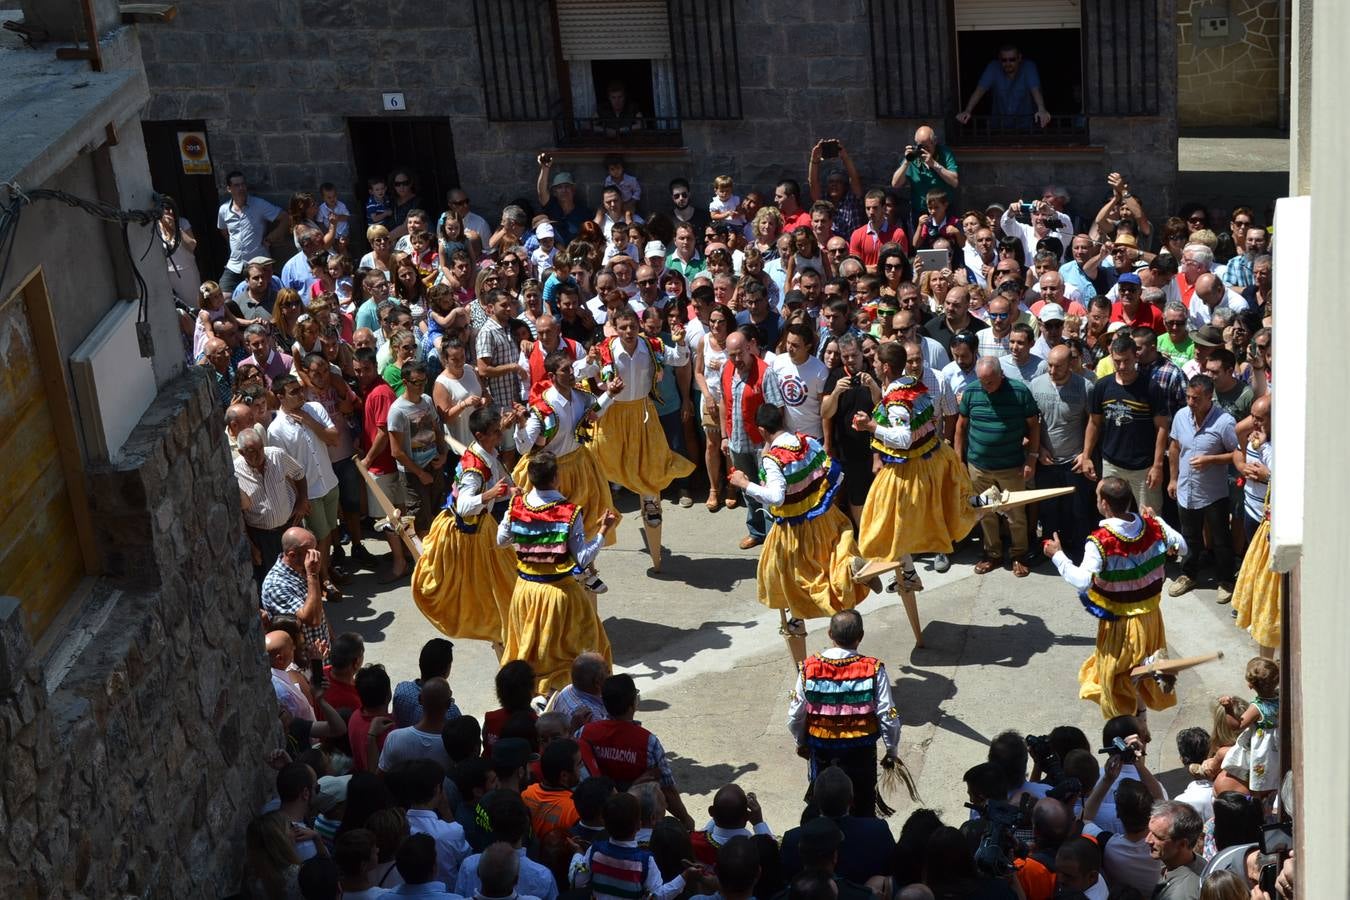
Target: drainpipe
(1283, 60)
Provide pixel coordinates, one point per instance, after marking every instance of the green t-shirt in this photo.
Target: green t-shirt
(997, 424)
(923, 179)
(1179, 354)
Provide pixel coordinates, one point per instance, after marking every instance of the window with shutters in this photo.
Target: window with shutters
(995, 37)
(517, 53)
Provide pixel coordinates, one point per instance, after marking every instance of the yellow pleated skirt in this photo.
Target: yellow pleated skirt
(1123, 644)
(1256, 595)
(806, 568)
(922, 506)
(633, 450)
(581, 482)
(463, 582)
(548, 625)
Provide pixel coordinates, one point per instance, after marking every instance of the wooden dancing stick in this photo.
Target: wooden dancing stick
(795, 640)
(912, 613)
(1172, 666)
(392, 514)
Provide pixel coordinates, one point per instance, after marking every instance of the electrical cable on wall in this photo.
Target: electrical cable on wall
(12, 209)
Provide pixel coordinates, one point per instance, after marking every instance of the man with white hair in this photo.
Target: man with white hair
(1196, 260)
(273, 494)
(1211, 294)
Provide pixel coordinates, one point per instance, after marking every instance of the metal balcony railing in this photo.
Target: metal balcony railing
(1015, 131)
(598, 131)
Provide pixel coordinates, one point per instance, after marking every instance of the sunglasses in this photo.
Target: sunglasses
(402, 183)
(647, 282)
(892, 266)
(464, 202)
(679, 195)
(1000, 316)
(1196, 219)
(1174, 324)
(417, 382)
(1241, 223)
(838, 250)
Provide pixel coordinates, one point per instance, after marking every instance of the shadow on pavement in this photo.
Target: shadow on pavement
(695, 778)
(662, 647)
(355, 613)
(919, 696)
(707, 573)
(1012, 645)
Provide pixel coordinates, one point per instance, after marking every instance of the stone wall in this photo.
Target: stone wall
(132, 753)
(1231, 79)
(277, 79)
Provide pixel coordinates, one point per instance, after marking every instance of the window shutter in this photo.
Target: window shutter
(703, 47)
(1024, 15)
(516, 53)
(613, 29)
(910, 65)
(1121, 72)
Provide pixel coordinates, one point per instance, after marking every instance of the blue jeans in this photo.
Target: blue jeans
(756, 516)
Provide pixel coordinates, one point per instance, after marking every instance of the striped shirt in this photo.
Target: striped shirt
(997, 423)
(271, 496)
(495, 345)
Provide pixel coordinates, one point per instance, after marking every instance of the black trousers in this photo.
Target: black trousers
(268, 541)
(1193, 523)
(1072, 515)
(860, 765)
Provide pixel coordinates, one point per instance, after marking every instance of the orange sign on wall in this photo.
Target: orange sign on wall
(192, 147)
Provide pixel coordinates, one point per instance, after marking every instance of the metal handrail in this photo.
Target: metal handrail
(992, 130)
(655, 131)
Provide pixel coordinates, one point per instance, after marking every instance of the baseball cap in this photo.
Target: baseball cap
(545, 230)
(261, 261)
(1208, 336)
(562, 178)
(653, 248)
(1129, 278)
(512, 752)
(1051, 312)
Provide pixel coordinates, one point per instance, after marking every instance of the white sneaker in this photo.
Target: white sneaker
(941, 563)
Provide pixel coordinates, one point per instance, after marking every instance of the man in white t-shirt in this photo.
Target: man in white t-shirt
(423, 739)
(306, 431)
(801, 378)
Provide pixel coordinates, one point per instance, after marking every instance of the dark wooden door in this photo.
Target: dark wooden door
(422, 146)
(196, 195)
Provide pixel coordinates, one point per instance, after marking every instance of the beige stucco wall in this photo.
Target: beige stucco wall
(1232, 80)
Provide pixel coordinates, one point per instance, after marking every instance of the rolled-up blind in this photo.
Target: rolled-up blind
(614, 29)
(1025, 15)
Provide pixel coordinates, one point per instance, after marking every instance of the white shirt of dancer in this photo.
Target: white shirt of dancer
(1080, 576)
(886, 714)
(584, 550)
(896, 433)
(634, 368)
(569, 411)
(470, 501)
(774, 488)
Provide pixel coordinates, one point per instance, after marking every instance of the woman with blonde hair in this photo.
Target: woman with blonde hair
(381, 255)
(765, 228)
(285, 313)
(272, 865)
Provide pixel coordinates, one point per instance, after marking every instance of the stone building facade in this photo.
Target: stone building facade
(1233, 62)
(135, 706)
(293, 92)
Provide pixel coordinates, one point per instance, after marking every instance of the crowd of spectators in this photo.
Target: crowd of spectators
(1059, 348)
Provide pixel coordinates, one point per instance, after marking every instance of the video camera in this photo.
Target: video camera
(1118, 747)
(1063, 788)
(999, 846)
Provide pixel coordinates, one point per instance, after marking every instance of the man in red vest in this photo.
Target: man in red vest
(621, 749)
(550, 339)
(747, 384)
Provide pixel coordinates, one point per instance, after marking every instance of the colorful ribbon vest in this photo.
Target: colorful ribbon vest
(812, 480)
(539, 536)
(1131, 579)
(841, 706)
(910, 393)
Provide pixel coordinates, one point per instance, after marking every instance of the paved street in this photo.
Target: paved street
(1000, 653)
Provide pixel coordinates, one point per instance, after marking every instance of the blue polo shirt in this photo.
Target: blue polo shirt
(1011, 97)
(1198, 488)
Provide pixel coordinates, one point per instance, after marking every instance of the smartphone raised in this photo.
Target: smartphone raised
(315, 672)
(829, 149)
(1277, 837)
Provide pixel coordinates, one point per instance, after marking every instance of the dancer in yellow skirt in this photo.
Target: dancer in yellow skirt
(809, 565)
(921, 500)
(551, 621)
(1120, 583)
(557, 415)
(463, 581)
(1256, 595)
(629, 441)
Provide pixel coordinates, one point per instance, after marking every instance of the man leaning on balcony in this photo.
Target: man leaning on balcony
(1015, 84)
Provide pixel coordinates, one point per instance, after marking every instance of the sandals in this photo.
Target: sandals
(985, 566)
